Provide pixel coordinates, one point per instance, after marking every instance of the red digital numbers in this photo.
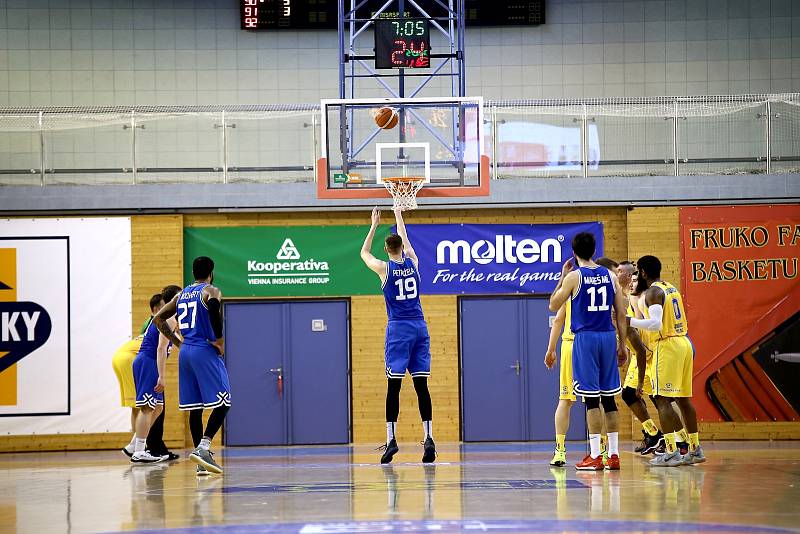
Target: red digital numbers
(250, 13)
(411, 54)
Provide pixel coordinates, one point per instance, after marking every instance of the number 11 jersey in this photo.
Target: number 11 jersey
(193, 319)
(593, 300)
(401, 290)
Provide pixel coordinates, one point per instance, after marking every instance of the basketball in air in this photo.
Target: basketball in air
(386, 118)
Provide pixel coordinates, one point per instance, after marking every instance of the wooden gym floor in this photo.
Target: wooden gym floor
(744, 487)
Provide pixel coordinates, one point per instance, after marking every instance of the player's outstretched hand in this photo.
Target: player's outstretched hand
(159, 385)
(550, 359)
(376, 216)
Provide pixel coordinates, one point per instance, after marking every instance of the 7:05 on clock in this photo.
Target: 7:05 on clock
(410, 28)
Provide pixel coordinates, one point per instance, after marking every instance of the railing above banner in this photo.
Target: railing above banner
(653, 136)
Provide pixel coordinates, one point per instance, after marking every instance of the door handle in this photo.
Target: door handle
(279, 372)
(516, 367)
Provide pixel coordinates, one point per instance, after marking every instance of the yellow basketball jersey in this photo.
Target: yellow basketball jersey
(630, 313)
(567, 333)
(674, 321)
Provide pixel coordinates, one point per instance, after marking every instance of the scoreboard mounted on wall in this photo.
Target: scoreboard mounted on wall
(322, 14)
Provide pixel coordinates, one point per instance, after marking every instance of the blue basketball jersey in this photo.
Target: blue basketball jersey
(593, 301)
(149, 345)
(401, 290)
(193, 319)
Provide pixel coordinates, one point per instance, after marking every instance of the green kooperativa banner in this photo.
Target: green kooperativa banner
(281, 261)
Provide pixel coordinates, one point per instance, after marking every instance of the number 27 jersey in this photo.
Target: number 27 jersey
(401, 291)
(193, 319)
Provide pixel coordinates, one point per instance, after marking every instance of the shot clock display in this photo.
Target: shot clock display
(402, 44)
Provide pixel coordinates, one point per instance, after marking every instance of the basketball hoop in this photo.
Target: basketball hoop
(404, 191)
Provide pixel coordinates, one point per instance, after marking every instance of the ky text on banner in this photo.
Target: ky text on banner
(495, 258)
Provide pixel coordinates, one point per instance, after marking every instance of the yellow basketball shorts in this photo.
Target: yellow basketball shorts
(565, 391)
(632, 377)
(122, 362)
(673, 361)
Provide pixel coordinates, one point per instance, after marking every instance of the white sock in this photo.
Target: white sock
(427, 429)
(594, 445)
(613, 443)
(205, 444)
(390, 428)
(139, 444)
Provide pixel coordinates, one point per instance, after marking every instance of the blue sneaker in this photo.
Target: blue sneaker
(694, 456)
(667, 460)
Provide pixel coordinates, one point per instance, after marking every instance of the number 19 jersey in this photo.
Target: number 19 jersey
(193, 319)
(592, 302)
(401, 291)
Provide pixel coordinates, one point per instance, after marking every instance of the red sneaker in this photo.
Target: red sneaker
(613, 463)
(591, 464)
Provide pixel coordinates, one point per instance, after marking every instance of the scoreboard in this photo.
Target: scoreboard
(402, 44)
(323, 14)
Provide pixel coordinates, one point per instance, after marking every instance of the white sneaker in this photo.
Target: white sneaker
(128, 450)
(144, 457)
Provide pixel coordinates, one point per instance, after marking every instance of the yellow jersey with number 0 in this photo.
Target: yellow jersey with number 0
(674, 321)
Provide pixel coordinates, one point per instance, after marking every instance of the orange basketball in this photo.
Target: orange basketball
(386, 118)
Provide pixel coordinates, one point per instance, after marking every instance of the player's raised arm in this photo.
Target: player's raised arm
(621, 308)
(401, 231)
(376, 265)
(555, 331)
(160, 320)
(566, 285)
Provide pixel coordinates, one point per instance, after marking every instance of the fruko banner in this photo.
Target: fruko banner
(280, 261)
(741, 286)
(495, 258)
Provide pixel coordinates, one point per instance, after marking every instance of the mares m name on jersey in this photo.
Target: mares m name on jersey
(592, 301)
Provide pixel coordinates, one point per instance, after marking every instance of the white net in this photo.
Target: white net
(404, 191)
(658, 136)
(664, 106)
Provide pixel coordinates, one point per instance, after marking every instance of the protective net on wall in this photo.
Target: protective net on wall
(524, 138)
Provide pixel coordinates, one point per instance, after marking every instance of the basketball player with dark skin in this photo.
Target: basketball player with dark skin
(203, 379)
(673, 374)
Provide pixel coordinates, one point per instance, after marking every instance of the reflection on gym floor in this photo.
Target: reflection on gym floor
(744, 487)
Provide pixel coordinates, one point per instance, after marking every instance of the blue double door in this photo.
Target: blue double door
(289, 369)
(507, 393)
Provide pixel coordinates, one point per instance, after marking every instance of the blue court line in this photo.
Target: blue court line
(344, 487)
(471, 525)
(327, 450)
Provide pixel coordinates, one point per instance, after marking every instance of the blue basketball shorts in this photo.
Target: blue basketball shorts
(594, 364)
(145, 377)
(408, 348)
(202, 378)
